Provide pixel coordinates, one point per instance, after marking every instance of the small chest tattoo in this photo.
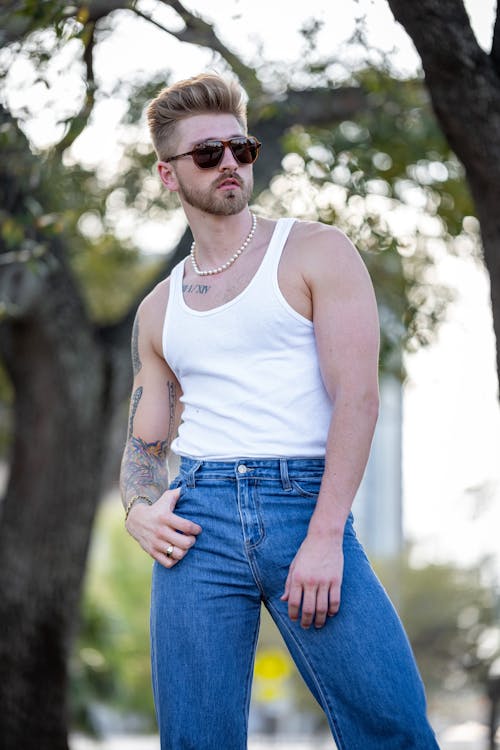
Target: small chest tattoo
(195, 288)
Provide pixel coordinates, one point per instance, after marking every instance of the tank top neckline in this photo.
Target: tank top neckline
(276, 243)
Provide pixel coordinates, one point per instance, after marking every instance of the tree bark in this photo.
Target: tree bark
(464, 85)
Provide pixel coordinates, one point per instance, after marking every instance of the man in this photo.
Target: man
(265, 344)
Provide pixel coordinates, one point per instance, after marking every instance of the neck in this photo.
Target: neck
(229, 261)
(218, 237)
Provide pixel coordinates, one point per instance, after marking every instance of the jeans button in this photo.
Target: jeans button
(242, 469)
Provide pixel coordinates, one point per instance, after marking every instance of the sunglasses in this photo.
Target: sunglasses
(208, 154)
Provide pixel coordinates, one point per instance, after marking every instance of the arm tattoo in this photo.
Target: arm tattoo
(144, 469)
(136, 360)
(133, 408)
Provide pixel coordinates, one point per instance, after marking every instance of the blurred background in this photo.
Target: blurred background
(389, 129)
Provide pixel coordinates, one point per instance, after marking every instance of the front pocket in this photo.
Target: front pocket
(306, 487)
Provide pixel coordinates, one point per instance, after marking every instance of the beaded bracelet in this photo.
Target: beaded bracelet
(133, 500)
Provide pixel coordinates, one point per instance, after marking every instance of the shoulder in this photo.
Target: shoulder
(148, 325)
(155, 302)
(314, 238)
(325, 252)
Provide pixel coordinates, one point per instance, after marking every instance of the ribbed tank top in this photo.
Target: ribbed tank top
(248, 370)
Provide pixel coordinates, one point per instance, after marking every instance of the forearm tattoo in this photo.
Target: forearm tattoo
(144, 469)
(133, 408)
(136, 360)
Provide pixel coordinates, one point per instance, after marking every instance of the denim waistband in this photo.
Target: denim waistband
(241, 468)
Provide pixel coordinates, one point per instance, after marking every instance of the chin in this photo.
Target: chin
(232, 205)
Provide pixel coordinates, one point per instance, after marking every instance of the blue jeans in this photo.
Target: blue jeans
(205, 618)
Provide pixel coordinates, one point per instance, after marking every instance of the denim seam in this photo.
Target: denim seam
(212, 478)
(249, 676)
(248, 546)
(326, 703)
(262, 529)
(154, 671)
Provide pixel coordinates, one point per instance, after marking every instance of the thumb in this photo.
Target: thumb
(171, 496)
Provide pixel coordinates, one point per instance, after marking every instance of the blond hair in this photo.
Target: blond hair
(205, 93)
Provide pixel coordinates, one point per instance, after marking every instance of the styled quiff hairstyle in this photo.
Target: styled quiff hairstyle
(205, 93)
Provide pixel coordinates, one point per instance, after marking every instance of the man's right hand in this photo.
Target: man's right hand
(158, 529)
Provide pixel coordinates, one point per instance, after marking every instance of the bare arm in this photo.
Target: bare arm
(153, 422)
(347, 335)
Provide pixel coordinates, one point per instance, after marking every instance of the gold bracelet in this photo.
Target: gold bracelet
(133, 500)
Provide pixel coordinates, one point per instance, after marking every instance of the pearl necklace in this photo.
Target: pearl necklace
(231, 259)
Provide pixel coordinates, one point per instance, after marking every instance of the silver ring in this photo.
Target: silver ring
(169, 550)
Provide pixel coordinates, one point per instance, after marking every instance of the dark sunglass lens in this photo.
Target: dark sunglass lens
(244, 151)
(208, 156)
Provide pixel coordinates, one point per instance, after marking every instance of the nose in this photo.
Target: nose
(228, 161)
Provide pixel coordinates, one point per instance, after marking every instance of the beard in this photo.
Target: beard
(212, 201)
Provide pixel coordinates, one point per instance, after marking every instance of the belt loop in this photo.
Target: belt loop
(285, 479)
(190, 478)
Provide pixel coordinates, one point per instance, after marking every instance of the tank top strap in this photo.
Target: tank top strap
(276, 245)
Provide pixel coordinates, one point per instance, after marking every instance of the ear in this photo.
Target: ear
(167, 175)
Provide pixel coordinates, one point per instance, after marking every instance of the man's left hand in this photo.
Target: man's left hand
(314, 580)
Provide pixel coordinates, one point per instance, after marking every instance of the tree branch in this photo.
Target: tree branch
(98, 9)
(199, 32)
(441, 32)
(460, 76)
(79, 122)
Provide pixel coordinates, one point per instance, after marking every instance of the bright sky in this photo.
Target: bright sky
(452, 417)
(451, 451)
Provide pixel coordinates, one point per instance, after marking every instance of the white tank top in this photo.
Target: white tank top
(248, 370)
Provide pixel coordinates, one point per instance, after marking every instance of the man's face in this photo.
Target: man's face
(222, 190)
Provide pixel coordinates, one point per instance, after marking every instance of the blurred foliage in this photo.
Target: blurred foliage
(111, 660)
(448, 612)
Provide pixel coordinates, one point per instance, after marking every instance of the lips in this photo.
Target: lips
(229, 183)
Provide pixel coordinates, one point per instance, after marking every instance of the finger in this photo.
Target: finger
(171, 497)
(294, 601)
(164, 559)
(321, 606)
(308, 607)
(285, 595)
(180, 549)
(334, 600)
(184, 525)
(170, 550)
(183, 541)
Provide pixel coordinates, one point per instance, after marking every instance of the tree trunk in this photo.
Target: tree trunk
(57, 369)
(464, 85)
